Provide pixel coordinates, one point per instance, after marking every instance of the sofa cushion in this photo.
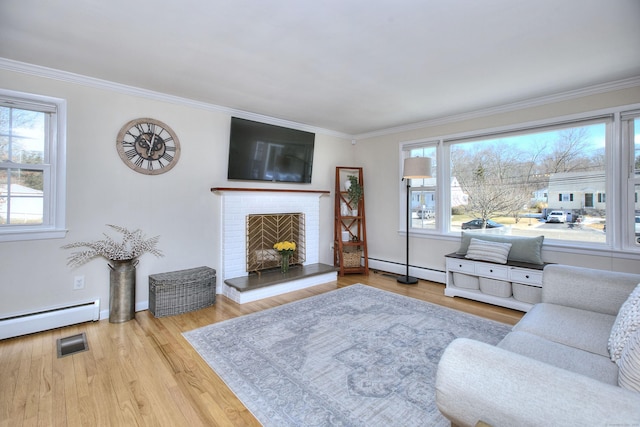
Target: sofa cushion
(482, 250)
(627, 322)
(629, 363)
(581, 329)
(579, 361)
(589, 289)
(523, 249)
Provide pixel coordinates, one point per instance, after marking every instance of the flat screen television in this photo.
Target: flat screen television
(264, 152)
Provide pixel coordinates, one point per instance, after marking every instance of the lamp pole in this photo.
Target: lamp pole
(406, 279)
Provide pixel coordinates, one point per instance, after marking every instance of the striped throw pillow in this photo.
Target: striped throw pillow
(484, 250)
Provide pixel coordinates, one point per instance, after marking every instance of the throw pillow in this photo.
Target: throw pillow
(627, 322)
(523, 249)
(483, 250)
(629, 364)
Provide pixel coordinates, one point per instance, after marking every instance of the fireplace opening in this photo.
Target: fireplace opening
(264, 230)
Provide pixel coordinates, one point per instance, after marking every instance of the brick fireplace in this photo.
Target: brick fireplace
(238, 204)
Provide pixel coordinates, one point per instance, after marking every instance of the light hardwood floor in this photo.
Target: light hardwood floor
(144, 373)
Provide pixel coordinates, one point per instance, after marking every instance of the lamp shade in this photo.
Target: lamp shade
(417, 168)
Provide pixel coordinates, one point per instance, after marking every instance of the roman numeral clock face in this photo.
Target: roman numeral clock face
(148, 146)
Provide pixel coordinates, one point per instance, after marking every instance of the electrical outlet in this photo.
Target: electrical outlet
(78, 282)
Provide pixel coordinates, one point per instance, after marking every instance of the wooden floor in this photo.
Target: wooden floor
(144, 373)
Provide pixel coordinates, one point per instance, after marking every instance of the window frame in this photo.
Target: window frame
(54, 188)
(619, 154)
(631, 179)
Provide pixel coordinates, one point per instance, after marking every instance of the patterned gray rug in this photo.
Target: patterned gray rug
(356, 356)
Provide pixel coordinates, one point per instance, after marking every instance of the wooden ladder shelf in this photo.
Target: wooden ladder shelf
(350, 231)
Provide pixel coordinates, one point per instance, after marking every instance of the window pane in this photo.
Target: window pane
(22, 135)
(510, 184)
(636, 139)
(21, 202)
(636, 225)
(423, 193)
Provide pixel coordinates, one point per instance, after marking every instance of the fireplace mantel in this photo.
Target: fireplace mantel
(268, 190)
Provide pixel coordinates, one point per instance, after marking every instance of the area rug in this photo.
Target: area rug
(355, 356)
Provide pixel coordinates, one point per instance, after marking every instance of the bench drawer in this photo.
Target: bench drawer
(526, 276)
(461, 265)
(493, 271)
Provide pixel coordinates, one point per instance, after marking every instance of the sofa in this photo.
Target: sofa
(573, 359)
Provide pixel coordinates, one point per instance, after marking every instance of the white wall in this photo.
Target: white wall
(177, 205)
(380, 154)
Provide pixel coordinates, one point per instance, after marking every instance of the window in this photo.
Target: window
(31, 166)
(631, 136)
(509, 180)
(502, 173)
(422, 194)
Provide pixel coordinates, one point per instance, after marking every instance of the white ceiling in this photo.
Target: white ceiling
(350, 66)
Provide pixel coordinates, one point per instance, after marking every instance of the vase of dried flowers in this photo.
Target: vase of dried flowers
(123, 259)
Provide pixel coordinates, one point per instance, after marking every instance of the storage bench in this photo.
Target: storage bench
(515, 285)
(181, 291)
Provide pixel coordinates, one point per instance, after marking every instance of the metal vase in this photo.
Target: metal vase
(122, 295)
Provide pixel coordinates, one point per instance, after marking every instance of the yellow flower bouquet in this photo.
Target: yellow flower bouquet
(285, 247)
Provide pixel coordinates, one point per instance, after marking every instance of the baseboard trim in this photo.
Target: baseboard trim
(401, 269)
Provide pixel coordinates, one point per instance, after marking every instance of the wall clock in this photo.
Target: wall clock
(148, 146)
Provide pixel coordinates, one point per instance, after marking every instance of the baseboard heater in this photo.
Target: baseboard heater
(52, 318)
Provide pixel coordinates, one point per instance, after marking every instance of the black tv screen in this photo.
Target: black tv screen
(264, 152)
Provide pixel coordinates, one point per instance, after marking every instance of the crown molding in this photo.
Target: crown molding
(68, 77)
(65, 76)
(506, 108)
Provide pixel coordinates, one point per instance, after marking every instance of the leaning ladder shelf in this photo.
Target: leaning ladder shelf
(350, 231)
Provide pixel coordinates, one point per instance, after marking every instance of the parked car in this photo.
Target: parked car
(556, 216)
(425, 213)
(477, 223)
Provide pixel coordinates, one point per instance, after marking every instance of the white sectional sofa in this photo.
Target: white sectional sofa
(555, 367)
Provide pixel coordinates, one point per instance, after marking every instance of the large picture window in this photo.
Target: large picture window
(514, 181)
(31, 167)
(574, 180)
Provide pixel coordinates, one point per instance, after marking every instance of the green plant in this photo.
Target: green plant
(355, 191)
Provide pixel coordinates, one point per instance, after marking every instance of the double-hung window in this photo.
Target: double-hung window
(32, 153)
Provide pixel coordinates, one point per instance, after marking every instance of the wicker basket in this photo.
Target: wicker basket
(352, 259)
(526, 293)
(181, 291)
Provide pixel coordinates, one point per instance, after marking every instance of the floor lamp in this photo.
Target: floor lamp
(414, 168)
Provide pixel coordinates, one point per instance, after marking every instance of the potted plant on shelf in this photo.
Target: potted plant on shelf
(355, 193)
(123, 257)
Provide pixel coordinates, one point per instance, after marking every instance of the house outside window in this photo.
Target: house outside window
(31, 166)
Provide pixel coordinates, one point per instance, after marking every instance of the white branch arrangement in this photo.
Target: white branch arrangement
(133, 245)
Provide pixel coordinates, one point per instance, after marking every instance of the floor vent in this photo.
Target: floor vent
(73, 344)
